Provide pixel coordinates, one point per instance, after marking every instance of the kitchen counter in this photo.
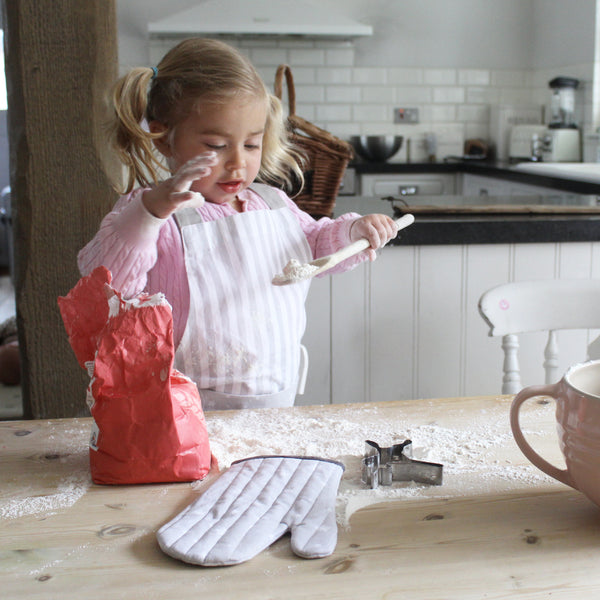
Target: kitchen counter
(543, 176)
(546, 223)
(482, 228)
(496, 527)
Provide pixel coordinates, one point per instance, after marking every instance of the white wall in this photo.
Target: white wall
(408, 33)
(452, 59)
(563, 32)
(476, 34)
(565, 36)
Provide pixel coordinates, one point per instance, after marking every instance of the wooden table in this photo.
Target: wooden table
(496, 528)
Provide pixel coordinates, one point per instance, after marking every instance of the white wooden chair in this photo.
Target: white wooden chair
(545, 305)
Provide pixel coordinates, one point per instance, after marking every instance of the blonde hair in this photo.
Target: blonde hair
(197, 70)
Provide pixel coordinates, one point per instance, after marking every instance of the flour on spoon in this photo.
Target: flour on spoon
(295, 271)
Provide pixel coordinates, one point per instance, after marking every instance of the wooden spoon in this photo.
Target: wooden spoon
(295, 271)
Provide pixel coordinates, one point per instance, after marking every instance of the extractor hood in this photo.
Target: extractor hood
(259, 17)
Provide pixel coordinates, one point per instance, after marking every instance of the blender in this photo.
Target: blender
(562, 103)
(561, 142)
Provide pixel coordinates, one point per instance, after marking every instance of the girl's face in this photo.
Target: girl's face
(234, 131)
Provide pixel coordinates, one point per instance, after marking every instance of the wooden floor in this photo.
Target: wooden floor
(11, 405)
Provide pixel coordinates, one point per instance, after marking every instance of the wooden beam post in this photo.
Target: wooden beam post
(61, 59)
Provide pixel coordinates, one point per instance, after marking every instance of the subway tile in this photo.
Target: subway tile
(267, 74)
(477, 131)
(374, 75)
(438, 113)
(344, 129)
(304, 75)
(252, 42)
(398, 76)
(378, 93)
(306, 111)
(408, 95)
(482, 95)
(348, 100)
(337, 57)
(448, 94)
(310, 93)
(334, 43)
(297, 43)
(439, 76)
(449, 133)
(372, 112)
(473, 77)
(334, 112)
(338, 75)
(307, 57)
(342, 93)
(515, 96)
(511, 78)
(270, 56)
(474, 113)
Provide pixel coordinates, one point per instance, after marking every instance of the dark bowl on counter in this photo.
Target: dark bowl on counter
(376, 148)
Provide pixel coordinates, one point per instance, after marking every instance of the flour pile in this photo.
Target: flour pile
(464, 454)
(294, 271)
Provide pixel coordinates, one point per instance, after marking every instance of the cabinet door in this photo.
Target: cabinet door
(476, 185)
(317, 339)
(350, 328)
(406, 185)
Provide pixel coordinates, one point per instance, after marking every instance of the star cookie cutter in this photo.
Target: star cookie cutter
(381, 466)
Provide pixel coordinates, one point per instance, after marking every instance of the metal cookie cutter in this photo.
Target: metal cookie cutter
(384, 465)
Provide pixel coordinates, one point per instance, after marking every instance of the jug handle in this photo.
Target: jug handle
(561, 475)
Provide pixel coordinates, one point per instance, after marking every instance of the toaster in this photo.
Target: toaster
(520, 138)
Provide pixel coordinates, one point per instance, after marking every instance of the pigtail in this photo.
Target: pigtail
(282, 162)
(131, 139)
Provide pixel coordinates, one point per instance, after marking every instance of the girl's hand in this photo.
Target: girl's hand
(377, 229)
(168, 196)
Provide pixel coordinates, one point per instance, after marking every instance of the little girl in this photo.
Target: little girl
(206, 234)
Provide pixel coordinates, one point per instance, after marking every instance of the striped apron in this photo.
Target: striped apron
(241, 343)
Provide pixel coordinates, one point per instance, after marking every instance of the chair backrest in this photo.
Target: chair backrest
(544, 305)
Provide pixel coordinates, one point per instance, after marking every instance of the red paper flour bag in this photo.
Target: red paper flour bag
(148, 421)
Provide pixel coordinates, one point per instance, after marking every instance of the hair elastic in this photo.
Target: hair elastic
(154, 72)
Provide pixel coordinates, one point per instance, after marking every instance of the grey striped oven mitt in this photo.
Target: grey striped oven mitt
(252, 505)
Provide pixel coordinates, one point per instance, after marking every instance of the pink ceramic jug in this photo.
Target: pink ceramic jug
(577, 397)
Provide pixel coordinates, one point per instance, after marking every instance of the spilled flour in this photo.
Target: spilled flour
(476, 458)
(469, 457)
(67, 457)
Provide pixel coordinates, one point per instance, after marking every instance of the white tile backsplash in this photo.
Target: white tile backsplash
(372, 76)
(306, 57)
(334, 76)
(378, 93)
(347, 100)
(449, 94)
(473, 77)
(339, 57)
(439, 76)
(343, 93)
(405, 76)
(334, 112)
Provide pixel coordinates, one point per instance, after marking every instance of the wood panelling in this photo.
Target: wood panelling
(407, 325)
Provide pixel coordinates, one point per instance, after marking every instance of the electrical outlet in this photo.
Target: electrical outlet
(406, 115)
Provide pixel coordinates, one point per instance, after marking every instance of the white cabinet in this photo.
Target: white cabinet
(407, 325)
(479, 185)
(392, 184)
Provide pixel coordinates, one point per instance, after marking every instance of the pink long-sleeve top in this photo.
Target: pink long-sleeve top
(145, 253)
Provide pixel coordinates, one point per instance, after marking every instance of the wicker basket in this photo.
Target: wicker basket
(326, 155)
